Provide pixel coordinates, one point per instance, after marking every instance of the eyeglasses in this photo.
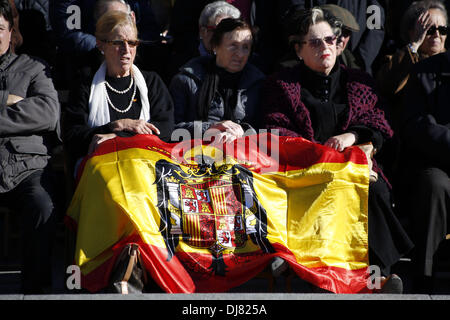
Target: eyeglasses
(442, 30)
(317, 42)
(121, 43)
(210, 28)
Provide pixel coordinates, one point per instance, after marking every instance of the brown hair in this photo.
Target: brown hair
(228, 25)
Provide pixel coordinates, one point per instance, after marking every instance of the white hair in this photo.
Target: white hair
(316, 15)
(215, 9)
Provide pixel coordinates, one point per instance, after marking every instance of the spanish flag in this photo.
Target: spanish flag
(210, 217)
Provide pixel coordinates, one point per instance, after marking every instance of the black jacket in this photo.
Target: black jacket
(426, 125)
(185, 87)
(77, 134)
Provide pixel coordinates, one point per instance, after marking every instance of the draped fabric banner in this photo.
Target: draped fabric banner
(208, 218)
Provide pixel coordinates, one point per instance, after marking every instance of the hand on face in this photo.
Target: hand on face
(423, 23)
(432, 42)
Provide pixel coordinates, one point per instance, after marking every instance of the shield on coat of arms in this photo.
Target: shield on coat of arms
(212, 212)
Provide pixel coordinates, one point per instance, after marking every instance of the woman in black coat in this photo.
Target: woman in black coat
(338, 107)
(119, 100)
(426, 159)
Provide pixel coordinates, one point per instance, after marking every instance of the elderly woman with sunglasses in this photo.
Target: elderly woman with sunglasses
(330, 104)
(119, 99)
(424, 30)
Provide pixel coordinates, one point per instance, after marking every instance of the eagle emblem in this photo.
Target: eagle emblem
(209, 206)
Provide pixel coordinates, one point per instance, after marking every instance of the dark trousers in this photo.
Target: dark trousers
(430, 209)
(388, 241)
(33, 200)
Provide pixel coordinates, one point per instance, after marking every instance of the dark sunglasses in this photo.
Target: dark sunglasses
(317, 42)
(442, 30)
(121, 43)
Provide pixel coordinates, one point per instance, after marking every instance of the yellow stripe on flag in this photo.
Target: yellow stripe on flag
(319, 213)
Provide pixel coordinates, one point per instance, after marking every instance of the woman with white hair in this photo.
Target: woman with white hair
(189, 44)
(210, 17)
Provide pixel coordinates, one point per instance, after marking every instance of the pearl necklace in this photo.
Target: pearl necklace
(118, 91)
(117, 109)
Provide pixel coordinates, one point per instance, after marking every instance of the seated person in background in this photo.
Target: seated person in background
(424, 30)
(261, 15)
(426, 161)
(209, 18)
(29, 124)
(330, 104)
(74, 31)
(118, 99)
(366, 43)
(223, 90)
(16, 37)
(80, 38)
(349, 25)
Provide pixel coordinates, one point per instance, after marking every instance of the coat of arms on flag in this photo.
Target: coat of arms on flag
(209, 206)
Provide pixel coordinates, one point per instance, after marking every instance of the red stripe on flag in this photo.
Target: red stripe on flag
(257, 151)
(189, 272)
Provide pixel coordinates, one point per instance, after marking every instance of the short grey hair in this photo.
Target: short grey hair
(414, 11)
(215, 9)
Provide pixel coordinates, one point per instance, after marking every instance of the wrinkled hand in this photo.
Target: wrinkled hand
(340, 142)
(230, 127)
(223, 132)
(224, 137)
(137, 126)
(98, 139)
(421, 27)
(12, 99)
